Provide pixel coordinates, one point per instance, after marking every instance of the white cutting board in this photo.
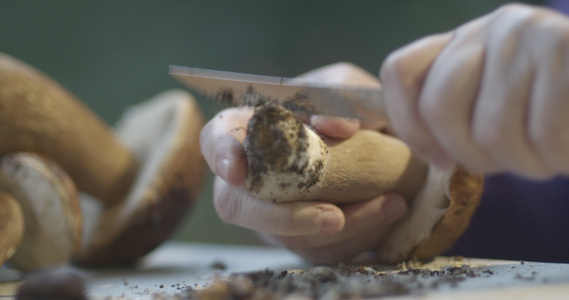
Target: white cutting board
(177, 265)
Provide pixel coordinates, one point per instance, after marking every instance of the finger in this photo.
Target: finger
(403, 74)
(235, 205)
(341, 73)
(500, 116)
(341, 128)
(221, 144)
(376, 214)
(549, 105)
(344, 74)
(449, 94)
(347, 249)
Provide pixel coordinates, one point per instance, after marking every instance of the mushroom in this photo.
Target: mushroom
(136, 183)
(38, 115)
(162, 134)
(288, 161)
(42, 211)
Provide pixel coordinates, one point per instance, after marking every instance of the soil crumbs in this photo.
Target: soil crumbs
(342, 282)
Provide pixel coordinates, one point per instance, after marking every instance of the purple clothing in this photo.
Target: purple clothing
(560, 5)
(520, 219)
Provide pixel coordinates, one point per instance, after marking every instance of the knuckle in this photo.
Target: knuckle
(401, 67)
(512, 9)
(393, 67)
(344, 68)
(516, 17)
(545, 24)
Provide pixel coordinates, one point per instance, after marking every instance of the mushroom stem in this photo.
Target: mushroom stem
(50, 222)
(287, 161)
(12, 226)
(38, 115)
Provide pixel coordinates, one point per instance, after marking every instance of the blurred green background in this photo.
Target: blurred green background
(113, 54)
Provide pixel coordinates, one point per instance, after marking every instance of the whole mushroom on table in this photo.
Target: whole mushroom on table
(137, 182)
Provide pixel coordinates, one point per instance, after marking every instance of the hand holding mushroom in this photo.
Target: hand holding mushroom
(357, 196)
(319, 231)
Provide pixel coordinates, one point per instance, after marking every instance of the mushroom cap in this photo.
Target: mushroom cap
(38, 115)
(436, 218)
(284, 159)
(163, 134)
(52, 216)
(11, 226)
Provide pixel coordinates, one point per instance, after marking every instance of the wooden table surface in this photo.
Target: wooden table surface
(174, 266)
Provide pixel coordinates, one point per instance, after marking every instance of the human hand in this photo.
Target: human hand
(319, 231)
(490, 95)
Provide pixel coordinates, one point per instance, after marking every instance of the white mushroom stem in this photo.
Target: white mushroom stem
(37, 115)
(49, 223)
(287, 161)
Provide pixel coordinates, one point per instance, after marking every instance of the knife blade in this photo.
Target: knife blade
(240, 89)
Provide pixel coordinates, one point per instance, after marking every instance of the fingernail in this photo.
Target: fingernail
(330, 221)
(315, 121)
(394, 207)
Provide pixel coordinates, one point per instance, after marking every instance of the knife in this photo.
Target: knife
(239, 89)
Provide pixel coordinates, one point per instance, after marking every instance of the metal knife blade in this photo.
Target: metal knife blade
(240, 89)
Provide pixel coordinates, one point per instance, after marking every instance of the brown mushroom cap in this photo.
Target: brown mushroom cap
(38, 115)
(52, 215)
(436, 218)
(163, 135)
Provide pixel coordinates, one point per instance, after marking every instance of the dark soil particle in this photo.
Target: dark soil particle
(218, 265)
(225, 95)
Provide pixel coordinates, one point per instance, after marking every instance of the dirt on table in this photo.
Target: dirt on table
(323, 282)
